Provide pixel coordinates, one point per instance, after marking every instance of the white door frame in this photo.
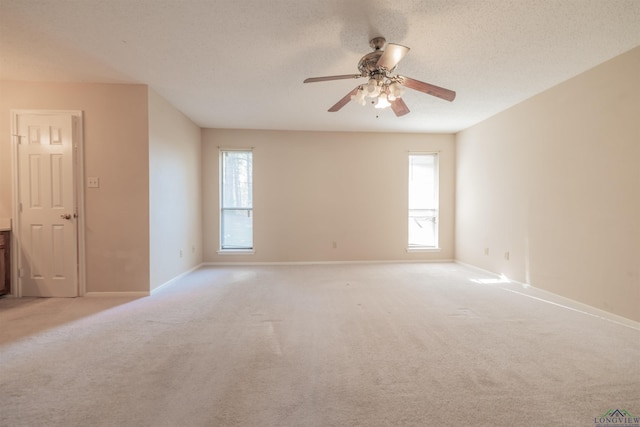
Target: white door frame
(78, 181)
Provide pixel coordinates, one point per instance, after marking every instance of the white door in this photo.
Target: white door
(48, 255)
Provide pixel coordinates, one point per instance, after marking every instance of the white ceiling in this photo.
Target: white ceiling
(241, 63)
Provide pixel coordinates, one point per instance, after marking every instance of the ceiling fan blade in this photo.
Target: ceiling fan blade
(391, 55)
(327, 78)
(344, 101)
(427, 88)
(399, 107)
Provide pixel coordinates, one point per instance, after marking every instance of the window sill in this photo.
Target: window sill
(236, 252)
(423, 249)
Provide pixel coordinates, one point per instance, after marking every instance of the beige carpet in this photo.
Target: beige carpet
(316, 345)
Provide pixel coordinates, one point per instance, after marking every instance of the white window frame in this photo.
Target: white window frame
(223, 250)
(436, 217)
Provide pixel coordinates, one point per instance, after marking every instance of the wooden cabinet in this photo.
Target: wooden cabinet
(5, 257)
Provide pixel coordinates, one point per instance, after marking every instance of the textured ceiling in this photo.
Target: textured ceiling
(241, 63)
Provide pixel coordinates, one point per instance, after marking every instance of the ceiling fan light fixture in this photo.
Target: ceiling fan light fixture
(382, 101)
(372, 89)
(396, 89)
(359, 96)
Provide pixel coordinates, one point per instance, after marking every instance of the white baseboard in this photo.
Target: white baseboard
(141, 294)
(549, 297)
(395, 261)
(559, 300)
(178, 277)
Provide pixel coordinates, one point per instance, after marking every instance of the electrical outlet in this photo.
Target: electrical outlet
(335, 244)
(486, 251)
(93, 182)
(506, 256)
(180, 253)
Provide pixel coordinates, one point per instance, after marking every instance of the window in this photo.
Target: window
(423, 200)
(236, 200)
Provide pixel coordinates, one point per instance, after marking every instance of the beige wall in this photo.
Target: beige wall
(174, 192)
(555, 181)
(314, 188)
(116, 150)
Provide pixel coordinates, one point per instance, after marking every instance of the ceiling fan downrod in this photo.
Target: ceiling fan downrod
(377, 43)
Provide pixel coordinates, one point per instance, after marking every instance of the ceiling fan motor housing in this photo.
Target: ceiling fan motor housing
(367, 64)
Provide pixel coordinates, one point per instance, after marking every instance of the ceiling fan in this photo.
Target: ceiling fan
(384, 89)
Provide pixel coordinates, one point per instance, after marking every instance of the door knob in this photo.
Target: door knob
(65, 216)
